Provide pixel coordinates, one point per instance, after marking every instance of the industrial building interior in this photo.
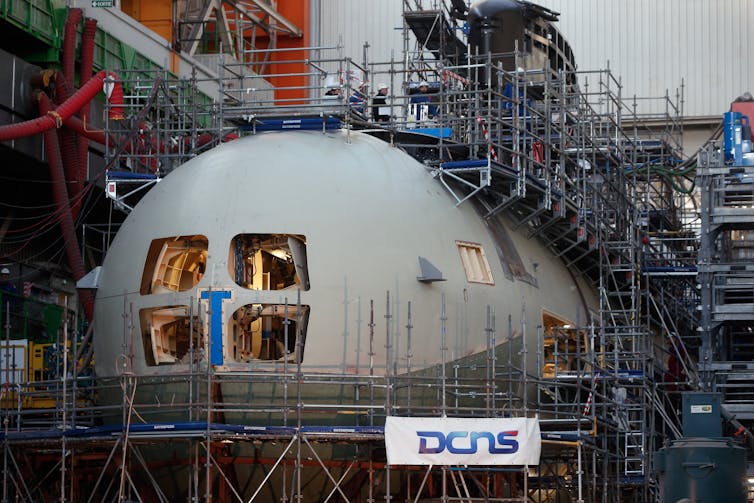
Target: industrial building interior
(656, 384)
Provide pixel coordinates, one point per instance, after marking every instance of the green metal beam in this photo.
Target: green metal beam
(42, 19)
(45, 19)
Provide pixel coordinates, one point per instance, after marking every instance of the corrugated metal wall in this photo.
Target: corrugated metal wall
(356, 22)
(652, 45)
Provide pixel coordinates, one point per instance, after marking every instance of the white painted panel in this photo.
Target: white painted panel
(13, 361)
(653, 45)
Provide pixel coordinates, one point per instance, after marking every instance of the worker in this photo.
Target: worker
(6, 285)
(358, 99)
(198, 273)
(676, 374)
(380, 110)
(333, 91)
(9, 299)
(332, 87)
(422, 102)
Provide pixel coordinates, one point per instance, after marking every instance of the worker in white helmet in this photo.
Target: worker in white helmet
(380, 110)
(6, 285)
(423, 102)
(333, 86)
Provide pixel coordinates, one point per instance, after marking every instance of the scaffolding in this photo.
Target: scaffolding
(563, 153)
(725, 278)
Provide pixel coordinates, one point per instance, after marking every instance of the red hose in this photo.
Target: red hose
(69, 155)
(87, 62)
(72, 23)
(82, 154)
(55, 118)
(205, 138)
(60, 195)
(116, 101)
(77, 126)
(87, 49)
(62, 89)
(67, 143)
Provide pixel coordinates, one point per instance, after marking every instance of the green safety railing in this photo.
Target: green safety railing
(45, 19)
(30, 318)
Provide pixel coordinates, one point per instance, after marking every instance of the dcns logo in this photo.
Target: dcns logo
(434, 442)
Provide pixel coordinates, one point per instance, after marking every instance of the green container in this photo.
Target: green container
(702, 470)
(701, 415)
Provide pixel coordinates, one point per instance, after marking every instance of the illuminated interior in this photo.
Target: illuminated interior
(174, 264)
(170, 335)
(562, 343)
(269, 261)
(258, 332)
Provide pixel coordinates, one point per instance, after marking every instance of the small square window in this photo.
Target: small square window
(475, 263)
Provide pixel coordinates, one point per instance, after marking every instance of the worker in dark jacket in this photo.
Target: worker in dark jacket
(6, 285)
(423, 103)
(380, 110)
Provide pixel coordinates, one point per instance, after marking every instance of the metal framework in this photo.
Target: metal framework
(564, 154)
(725, 278)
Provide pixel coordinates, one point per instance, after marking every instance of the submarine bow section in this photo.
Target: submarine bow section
(293, 247)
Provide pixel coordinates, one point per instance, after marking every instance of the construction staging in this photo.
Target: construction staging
(656, 243)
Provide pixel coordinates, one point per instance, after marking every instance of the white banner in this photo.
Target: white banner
(462, 441)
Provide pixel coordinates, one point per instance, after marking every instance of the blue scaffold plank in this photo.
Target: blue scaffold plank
(198, 428)
(257, 430)
(622, 374)
(297, 124)
(565, 436)
(32, 435)
(632, 479)
(437, 132)
(470, 163)
(128, 175)
(691, 269)
(361, 430)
